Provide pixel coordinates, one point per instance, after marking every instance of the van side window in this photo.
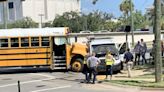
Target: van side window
(4, 42)
(45, 41)
(34, 41)
(14, 42)
(25, 42)
(122, 49)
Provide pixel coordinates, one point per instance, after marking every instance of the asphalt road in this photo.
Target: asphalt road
(53, 82)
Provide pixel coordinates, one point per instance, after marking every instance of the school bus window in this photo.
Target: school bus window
(14, 42)
(24, 42)
(34, 41)
(4, 42)
(45, 41)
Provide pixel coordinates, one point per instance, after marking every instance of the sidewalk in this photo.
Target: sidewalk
(124, 75)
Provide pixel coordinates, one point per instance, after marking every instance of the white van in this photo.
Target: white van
(100, 46)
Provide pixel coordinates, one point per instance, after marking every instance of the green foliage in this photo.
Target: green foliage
(47, 24)
(69, 19)
(125, 7)
(139, 19)
(24, 23)
(94, 21)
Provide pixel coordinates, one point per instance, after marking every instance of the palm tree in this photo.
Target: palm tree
(125, 7)
(150, 13)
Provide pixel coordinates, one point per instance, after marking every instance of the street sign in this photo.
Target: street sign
(127, 28)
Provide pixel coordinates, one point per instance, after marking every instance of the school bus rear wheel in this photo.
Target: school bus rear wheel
(77, 65)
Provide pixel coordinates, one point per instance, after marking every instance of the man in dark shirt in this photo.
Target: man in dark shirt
(129, 61)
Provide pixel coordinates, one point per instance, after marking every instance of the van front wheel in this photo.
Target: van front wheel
(77, 65)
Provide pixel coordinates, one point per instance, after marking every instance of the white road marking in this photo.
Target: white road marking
(25, 82)
(49, 77)
(42, 90)
(44, 75)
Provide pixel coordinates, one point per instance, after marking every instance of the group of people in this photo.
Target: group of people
(91, 63)
(140, 51)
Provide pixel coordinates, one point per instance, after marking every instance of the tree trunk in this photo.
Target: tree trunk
(158, 62)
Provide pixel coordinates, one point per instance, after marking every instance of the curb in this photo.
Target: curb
(148, 88)
(137, 87)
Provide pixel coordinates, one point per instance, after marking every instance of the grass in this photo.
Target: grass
(146, 80)
(138, 83)
(150, 76)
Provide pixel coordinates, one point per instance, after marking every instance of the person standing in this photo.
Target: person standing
(143, 50)
(137, 53)
(109, 60)
(92, 63)
(85, 68)
(129, 61)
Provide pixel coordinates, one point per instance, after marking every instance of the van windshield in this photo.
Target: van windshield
(103, 48)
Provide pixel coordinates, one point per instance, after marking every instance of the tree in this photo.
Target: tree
(151, 13)
(23, 23)
(158, 59)
(94, 21)
(125, 8)
(69, 19)
(139, 20)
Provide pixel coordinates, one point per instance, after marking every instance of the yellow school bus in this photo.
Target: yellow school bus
(36, 47)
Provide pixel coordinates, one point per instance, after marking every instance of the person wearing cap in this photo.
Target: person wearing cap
(109, 60)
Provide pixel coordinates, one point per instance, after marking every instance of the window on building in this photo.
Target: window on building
(34, 41)
(45, 41)
(25, 42)
(4, 42)
(11, 5)
(14, 42)
(11, 11)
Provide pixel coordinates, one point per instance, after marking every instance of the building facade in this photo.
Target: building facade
(48, 9)
(38, 10)
(13, 10)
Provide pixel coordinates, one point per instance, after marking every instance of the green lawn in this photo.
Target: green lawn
(146, 80)
(138, 83)
(141, 81)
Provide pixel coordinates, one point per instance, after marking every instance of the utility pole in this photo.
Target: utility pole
(132, 22)
(157, 29)
(41, 15)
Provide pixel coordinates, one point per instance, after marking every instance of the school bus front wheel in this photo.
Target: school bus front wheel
(77, 65)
